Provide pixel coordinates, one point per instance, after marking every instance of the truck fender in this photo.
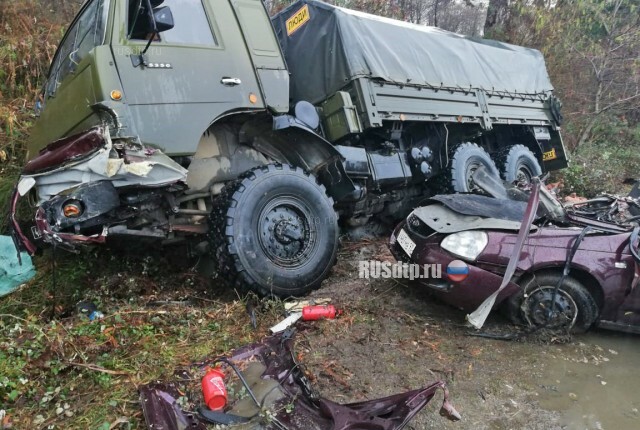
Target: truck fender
(220, 158)
(287, 140)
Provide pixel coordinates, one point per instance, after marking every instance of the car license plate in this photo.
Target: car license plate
(406, 243)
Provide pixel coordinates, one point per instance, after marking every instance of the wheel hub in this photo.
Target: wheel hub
(540, 309)
(285, 233)
(470, 170)
(524, 175)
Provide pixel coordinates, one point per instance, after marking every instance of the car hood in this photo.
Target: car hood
(451, 214)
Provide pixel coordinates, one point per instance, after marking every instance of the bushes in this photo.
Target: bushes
(29, 33)
(606, 161)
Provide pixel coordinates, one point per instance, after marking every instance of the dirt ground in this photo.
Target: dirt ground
(391, 338)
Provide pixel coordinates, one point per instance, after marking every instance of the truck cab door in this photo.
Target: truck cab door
(194, 73)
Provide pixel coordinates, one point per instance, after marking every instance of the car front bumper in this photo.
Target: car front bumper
(481, 281)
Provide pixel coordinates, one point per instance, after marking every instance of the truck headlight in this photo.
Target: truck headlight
(466, 244)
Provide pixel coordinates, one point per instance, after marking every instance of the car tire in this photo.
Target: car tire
(518, 163)
(274, 231)
(466, 158)
(579, 308)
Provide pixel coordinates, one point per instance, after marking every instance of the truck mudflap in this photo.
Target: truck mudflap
(78, 179)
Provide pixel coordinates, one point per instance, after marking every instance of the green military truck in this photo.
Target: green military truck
(254, 139)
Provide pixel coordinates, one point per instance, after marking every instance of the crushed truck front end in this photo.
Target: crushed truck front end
(85, 187)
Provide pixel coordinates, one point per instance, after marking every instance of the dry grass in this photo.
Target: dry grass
(29, 33)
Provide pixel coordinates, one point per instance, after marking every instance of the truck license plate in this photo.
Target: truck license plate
(406, 243)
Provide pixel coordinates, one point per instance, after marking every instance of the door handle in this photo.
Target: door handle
(230, 82)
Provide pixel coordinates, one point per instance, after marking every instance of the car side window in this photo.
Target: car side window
(191, 24)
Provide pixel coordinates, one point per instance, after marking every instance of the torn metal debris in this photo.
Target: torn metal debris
(277, 394)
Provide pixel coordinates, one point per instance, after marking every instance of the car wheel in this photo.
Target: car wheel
(519, 164)
(466, 159)
(575, 309)
(274, 231)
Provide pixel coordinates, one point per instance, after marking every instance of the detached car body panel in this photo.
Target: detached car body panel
(603, 264)
(281, 391)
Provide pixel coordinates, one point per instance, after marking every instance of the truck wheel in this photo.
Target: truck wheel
(274, 231)
(466, 159)
(576, 309)
(519, 164)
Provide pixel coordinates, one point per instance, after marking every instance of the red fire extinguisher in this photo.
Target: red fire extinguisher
(214, 390)
(314, 313)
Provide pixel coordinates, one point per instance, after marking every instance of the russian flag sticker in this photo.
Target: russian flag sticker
(457, 271)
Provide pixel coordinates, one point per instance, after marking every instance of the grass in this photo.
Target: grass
(72, 373)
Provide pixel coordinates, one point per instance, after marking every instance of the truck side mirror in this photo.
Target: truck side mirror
(164, 18)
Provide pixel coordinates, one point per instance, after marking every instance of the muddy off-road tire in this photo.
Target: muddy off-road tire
(518, 163)
(465, 160)
(274, 232)
(578, 309)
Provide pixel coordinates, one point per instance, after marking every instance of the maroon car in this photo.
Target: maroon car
(570, 271)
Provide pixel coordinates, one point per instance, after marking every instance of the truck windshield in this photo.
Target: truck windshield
(86, 32)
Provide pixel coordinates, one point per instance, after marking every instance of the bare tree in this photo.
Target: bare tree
(612, 59)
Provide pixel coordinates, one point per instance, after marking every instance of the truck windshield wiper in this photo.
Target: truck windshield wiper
(140, 59)
(135, 19)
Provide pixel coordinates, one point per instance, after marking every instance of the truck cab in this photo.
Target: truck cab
(214, 58)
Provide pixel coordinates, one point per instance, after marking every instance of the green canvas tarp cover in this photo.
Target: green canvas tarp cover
(327, 46)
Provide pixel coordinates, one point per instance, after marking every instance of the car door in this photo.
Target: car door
(629, 310)
(194, 73)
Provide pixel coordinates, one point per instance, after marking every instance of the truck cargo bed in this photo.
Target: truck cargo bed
(395, 70)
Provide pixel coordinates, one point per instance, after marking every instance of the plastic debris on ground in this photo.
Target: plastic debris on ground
(286, 323)
(12, 273)
(298, 305)
(89, 310)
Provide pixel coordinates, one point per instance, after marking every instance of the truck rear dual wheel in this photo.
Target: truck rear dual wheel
(518, 164)
(466, 159)
(575, 309)
(274, 231)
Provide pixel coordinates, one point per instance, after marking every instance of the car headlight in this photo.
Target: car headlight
(466, 244)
